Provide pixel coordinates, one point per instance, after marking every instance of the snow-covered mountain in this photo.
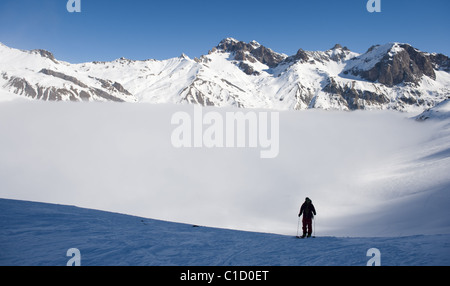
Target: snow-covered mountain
(440, 112)
(249, 75)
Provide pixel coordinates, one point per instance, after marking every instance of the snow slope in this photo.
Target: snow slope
(7, 96)
(438, 112)
(41, 234)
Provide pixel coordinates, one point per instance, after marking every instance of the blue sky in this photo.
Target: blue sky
(141, 29)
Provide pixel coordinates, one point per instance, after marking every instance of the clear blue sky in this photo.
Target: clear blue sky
(143, 29)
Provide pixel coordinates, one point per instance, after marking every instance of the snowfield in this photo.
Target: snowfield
(378, 179)
(41, 234)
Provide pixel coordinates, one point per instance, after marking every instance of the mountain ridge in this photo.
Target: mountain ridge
(246, 75)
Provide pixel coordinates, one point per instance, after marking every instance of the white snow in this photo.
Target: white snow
(368, 60)
(438, 112)
(41, 234)
(7, 96)
(216, 78)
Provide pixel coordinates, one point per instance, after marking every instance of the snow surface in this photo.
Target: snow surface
(440, 111)
(41, 234)
(379, 177)
(7, 96)
(373, 56)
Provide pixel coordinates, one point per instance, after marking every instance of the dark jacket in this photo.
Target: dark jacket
(307, 210)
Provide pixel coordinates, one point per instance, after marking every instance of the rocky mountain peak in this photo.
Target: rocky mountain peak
(338, 53)
(184, 56)
(339, 47)
(233, 45)
(250, 52)
(44, 54)
(396, 63)
(255, 44)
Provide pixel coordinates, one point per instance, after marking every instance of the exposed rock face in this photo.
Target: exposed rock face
(354, 98)
(440, 62)
(247, 69)
(404, 65)
(250, 52)
(76, 92)
(301, 56)
(267, 56)
(45, 54)
(63, 77)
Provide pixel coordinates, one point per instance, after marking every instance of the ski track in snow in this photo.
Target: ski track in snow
(40, 234)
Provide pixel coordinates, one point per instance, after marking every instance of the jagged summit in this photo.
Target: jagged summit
(44, 53)
(396, 63)
(339, 47)
(184, 56)
(229, 40)
(255, 44)
(251, 52)
(233, 45)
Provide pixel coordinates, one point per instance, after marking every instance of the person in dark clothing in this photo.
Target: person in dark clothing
(308, 211)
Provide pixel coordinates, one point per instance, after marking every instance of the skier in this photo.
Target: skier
(308, 211)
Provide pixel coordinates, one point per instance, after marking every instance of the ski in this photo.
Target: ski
(305, 237)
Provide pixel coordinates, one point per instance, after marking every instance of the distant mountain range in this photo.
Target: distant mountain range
(246, 75)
